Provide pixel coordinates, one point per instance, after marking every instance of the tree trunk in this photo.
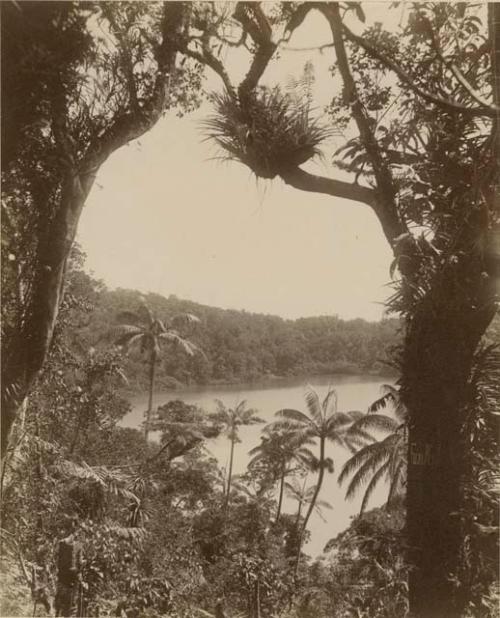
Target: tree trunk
(297, 517)
(313, 500)
(149, 411)
(440, 343)
(24, 355)
(318, 486)
(257, 599)
(280, 500)
(230, 473)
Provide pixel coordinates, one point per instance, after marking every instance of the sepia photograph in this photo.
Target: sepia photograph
(250, 291)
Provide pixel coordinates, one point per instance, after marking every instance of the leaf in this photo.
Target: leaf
(295, 416)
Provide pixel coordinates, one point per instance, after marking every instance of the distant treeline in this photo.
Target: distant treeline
(242, 347)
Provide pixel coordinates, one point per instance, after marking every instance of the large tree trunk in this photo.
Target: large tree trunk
(25, 353)
(439, 348)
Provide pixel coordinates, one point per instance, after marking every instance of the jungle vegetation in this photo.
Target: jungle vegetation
(417, 109)
(243, 347)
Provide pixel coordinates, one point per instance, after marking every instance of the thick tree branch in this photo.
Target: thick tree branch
(125, 55)
(31, 344)
(59, 124)
(305, 181)
(131, 125)
(300, 179)
(482, 110)
(254, 22)
(386, 209)
(206, 57)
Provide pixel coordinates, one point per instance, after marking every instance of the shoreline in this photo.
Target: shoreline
(263, 382)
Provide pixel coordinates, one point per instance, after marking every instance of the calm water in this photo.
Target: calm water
(354, 393)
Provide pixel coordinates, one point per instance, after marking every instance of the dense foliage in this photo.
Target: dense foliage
(98, 519)
(239, 346)
(417, 110)
(158, 527)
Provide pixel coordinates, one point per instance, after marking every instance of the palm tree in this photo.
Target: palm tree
(231, 419)
(278, 452)
(325, 423)
(143, 329)
(379, 459)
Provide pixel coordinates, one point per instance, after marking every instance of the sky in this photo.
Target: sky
(166, 216)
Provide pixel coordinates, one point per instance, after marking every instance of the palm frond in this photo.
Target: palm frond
(314, 405)
(240, 408)
(397, 478)
(304, 454)
(323, 504)
(120, 330)
(249, 417)
(340, 422)
(173, 337)
(390, 395)
(372, 485)
(300, 430)
(330, 402)
(112, 481)
(130, 533)
(294, 416)
(365, 457)
(376, 422)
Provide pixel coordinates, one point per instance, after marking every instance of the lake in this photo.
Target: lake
(354, 393)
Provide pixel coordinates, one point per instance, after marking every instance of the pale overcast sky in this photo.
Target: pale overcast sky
(165, 217)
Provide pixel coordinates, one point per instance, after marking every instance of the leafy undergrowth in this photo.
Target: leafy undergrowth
(15, 596)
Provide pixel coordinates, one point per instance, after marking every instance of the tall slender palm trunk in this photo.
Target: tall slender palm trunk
(297, 517)
(312, 504)
(282, 488)
(152, 375)
(257, 599)
(230, 473)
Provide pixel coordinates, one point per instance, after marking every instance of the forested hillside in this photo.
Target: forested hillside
(239, 346)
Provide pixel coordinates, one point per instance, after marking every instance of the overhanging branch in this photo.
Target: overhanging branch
(385, 207)
(207, 58)
(254, 21)
(480, 110)
(313, 183)
(300, 179)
